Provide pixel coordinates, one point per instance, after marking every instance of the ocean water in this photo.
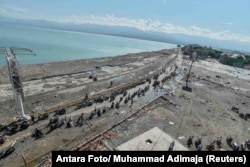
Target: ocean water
(51, 45)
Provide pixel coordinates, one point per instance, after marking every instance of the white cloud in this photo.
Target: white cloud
(154, 25)
(3, 12)
(17, 8)
(227, 23)
(141, 24)
(14, 12)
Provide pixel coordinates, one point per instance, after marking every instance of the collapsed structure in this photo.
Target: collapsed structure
(14, 74)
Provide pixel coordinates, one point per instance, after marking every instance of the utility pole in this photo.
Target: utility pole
(189, 72)
(186, 88)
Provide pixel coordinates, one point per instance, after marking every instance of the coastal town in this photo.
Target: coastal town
(160, 100)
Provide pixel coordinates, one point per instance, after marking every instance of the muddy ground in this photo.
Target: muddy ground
(205, 112)
(43, 92)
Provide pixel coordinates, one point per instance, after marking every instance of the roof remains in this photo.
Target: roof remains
(151, 140)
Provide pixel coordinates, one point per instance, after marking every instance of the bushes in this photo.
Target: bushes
(225, 59)
(206, 52)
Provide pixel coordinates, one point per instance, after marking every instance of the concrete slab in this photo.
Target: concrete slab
(153, 139)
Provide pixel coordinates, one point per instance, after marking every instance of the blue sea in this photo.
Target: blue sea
(52, 45)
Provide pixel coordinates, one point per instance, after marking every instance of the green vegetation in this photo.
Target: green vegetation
(208, 52)
(203, 52)
(247, 61)
(236, 62)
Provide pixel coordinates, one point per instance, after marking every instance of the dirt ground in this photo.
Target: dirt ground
(43, 92)
(205, 112)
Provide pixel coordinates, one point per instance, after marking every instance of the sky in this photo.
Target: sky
(215, 19)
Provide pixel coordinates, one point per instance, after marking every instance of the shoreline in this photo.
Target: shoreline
(44, 81)
(43, 70)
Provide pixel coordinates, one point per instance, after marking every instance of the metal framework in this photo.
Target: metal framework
(14, 74)
(192, 57)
